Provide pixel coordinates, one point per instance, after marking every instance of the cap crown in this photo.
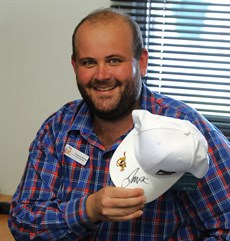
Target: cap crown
(164, 145)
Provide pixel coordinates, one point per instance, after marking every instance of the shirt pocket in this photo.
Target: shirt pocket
(75, 181)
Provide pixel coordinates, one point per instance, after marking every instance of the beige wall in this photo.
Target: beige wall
(36, 74)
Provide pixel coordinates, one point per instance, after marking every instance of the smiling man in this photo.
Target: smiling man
(66, 192)
(108, 71)
(108, 74)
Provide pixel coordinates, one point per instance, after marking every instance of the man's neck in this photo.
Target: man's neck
(109, 131)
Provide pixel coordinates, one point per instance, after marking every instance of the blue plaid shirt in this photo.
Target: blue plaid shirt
(50, 201)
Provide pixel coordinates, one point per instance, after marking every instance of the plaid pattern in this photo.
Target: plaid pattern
(49, 203)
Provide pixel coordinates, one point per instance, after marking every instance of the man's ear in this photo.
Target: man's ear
(143, 62)
(73, 62)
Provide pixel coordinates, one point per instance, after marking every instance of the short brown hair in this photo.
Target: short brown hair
(107, 14)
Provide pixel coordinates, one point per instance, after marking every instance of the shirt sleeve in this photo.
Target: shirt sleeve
(216, 189)
(37, 210)
(212, 199)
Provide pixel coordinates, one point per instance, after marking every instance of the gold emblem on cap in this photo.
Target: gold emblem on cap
(121, 162)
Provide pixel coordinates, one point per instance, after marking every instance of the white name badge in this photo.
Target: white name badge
(76, 155)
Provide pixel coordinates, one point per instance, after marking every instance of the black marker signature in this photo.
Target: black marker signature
(134, 178)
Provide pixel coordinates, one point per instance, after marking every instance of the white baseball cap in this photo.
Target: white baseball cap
(157, 152)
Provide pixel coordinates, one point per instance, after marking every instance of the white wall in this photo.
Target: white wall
(36, 73)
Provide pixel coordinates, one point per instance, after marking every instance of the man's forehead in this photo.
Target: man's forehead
(101, 36)
(94, 23)
(119, 31)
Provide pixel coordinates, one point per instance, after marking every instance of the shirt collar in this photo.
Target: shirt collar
(148, 101)
(83, 120)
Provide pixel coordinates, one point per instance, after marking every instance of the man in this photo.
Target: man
(66, 192)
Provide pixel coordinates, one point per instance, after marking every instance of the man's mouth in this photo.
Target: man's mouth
(104, 88)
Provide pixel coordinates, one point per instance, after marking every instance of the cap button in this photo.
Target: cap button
(186, 131)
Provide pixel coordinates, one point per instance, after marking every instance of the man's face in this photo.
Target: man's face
(108, 76)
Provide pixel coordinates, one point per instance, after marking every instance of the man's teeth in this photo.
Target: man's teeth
(105, 89)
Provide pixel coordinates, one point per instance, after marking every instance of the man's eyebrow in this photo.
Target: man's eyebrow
(106, 58)
(85, 58)
(115, 56)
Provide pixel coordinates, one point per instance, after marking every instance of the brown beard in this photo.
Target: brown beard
(128, 101)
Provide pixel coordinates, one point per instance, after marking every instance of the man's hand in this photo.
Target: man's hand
(115, 204)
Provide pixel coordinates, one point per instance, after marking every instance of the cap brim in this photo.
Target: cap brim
(129, 174)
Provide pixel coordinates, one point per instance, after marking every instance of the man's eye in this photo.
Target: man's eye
(88, 63)
(115, 61)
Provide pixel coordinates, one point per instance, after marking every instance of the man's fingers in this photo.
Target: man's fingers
(115, 204)
(120, 218)
(121, 211)
(124, 202)
(123, 198)
(127, 193)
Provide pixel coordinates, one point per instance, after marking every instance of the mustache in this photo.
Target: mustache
(104, 83)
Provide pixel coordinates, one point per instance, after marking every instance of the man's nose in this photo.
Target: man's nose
(102, 71)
